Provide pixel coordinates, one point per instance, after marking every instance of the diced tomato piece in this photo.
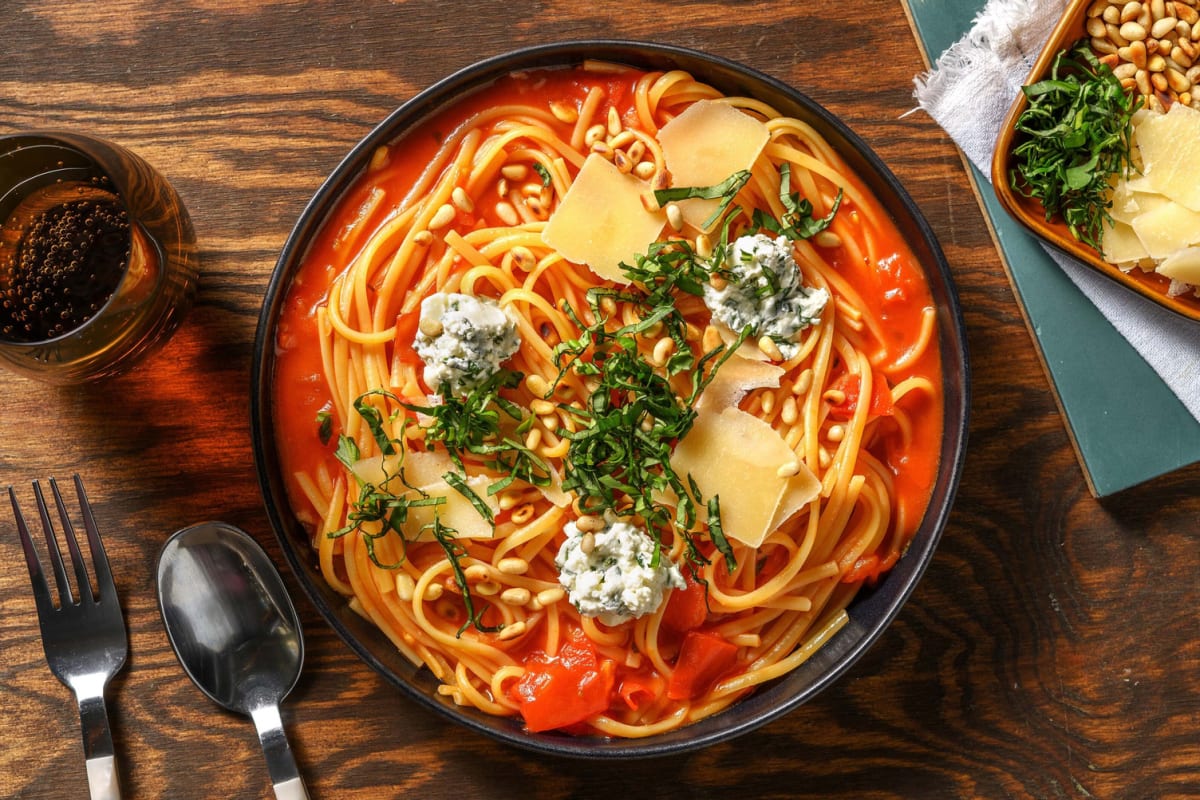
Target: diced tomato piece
(851, 386)
(686, 608)
(637, 688)
(869, 568)
(564, 689)
(704, 658)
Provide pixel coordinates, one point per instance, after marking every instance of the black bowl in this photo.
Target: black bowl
(871, 611)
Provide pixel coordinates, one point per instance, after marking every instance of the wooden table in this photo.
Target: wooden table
(1050, 651)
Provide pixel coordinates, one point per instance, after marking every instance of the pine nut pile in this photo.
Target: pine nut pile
(1153, 47)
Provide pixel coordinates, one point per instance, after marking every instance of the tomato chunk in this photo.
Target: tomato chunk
(704, 658)
(564, 689)
(851, 387)
(686, 608)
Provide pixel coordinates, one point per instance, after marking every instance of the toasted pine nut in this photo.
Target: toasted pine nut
(644, 169)
(564, 112)
(827, 239)
(512, 566)
(516, 596)
(404, 586)
(461, 199)
(423, 238)
(789, 412)
(834, 397)
(587, 543)
(475, 572)
(514, 172)
(803, 382)
(442, 217)
(662, 350)
(588, 523)
(523, 258)
(768, 402)
(593, 134)
(771, 350)
(431, 327)
(836, 433)
(537, 385)
(506, 213)
(548, 597)
(542, 407)
(433, 591)
(674, 216)
(788, 469)
(614, 121)
(512, 630)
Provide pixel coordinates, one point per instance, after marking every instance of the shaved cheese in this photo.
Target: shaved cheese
(1182, 265)
(1170, 149)
(1167, 228)
(706, 144)
(736, 456)
(734, 379)
(424, 470)
(1121, 245)
(601, 221)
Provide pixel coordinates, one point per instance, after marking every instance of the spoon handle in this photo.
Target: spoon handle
(281, 764)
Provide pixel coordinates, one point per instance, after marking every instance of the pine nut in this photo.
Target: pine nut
(593, 134)
(512, 630)
(663, 349)
(589, 523)
(516, 596)
(542, 407)
(475, 572)
(836, 433)
(644, 170)
(803, 383)
(433, 591)
(564, 112)
(514, 172)
(788, 469)
(768, 347)
(523, 258)
(548, 597)
(614, 121)
(674, 216)
(789, 412)
(506, 213)
(512, 566)
(587, 543)
(442, 217)
(1130, 10)
(423, 238)
(537, 385)
(404, 587)
(461, 199)
(487, 588)
(431, 327)
(827, 239)
(1162, 27)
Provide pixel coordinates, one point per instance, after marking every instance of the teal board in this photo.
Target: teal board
(1098, 376)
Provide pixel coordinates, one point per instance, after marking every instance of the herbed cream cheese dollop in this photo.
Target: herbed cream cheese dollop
(463, 340)
(617, 580)
(764, 291)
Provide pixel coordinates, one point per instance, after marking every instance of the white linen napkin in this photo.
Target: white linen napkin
(968, 93)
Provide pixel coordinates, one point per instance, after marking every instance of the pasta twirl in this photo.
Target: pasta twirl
(453, 550)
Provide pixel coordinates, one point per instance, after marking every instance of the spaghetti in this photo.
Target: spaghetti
(463, 578)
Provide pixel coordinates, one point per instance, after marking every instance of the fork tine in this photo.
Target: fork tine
(82, 582)
(106, 587)
(41, 590)
(56, 562)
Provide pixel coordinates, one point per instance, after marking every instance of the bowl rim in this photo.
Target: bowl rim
(1030, 214)
(880, 604)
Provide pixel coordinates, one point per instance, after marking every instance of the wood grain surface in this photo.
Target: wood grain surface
(1051, 650)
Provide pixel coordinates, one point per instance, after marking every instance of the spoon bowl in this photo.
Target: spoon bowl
(236, 633)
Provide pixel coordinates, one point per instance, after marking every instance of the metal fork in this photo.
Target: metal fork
(84, 638)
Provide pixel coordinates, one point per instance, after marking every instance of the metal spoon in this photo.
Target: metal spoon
(235, 631)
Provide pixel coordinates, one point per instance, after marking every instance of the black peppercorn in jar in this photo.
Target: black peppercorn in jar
(97, 257)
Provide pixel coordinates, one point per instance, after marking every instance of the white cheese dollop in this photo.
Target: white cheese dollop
(616, 581)
(463, 340)
(764, 292)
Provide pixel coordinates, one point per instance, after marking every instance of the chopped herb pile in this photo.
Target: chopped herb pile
(1076, 135)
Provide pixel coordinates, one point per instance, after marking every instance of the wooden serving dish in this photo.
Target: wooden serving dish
(1029, 212)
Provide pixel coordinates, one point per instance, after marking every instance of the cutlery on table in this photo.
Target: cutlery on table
(84, 638)
(236, 633)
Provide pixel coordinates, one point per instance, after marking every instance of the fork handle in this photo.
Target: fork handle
(98, 749)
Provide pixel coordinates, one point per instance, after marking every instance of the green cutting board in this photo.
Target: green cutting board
(1082, 352)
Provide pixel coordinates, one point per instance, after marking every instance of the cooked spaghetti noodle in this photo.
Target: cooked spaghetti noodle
(461, 207)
